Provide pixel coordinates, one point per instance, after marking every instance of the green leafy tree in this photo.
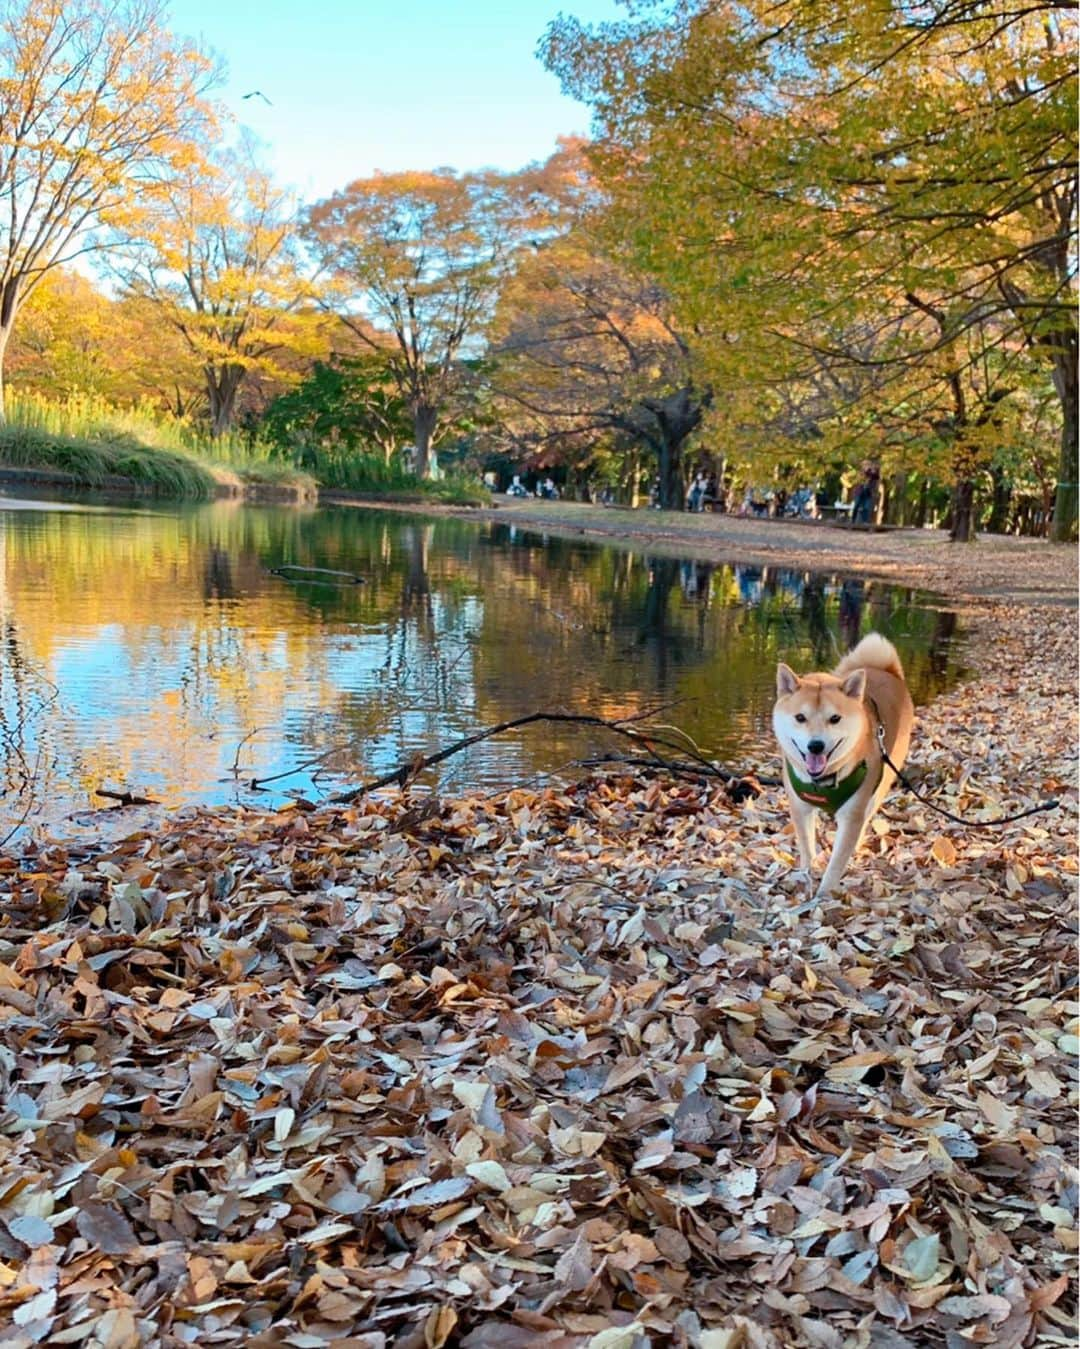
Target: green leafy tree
(803, 174)
(348, 403)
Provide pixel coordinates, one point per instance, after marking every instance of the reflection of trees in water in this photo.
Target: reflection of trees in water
(655, 633)
(851, 609)
(416, 589)
(815, 614)
(695, 578)
(940, 650)
(17, 708)
(415, 621)
(882, 602)
(456, 626)
(217, 574)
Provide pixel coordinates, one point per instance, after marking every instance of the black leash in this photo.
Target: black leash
(968, 824)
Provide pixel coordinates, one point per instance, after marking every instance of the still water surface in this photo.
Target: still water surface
(154, 650)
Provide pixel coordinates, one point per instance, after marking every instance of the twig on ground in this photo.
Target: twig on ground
(625, 726)
(695, 769)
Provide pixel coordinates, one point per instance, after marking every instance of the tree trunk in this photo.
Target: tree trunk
(897, 504)
(999, 511)
(922, 510)
(424, 419)
(222, 386)
(1064, 348)
(963, 511)
(677, 417)
(672, 479)
(5, 333)
(1064, 524)
(634, 478)
(9, 307)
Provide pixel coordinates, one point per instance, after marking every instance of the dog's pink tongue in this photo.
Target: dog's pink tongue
(817, 764)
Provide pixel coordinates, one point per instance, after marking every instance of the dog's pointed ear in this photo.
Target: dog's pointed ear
(787, 681)
(854, 684)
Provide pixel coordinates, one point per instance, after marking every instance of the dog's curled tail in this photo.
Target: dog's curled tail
(873, 652)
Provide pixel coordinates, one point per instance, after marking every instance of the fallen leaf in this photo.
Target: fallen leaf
(106, 1228)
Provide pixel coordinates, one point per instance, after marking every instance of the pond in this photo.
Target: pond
(158, 651)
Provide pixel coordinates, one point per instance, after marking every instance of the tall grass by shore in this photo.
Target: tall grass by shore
(99, 463)
(90, 417)
(94, 444)
(350, 473)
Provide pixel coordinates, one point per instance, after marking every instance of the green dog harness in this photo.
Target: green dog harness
(828, 794)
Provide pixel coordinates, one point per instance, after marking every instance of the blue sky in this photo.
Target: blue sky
(390, 84)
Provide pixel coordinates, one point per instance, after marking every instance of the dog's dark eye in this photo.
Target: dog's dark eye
(834, 719)
(799, 717)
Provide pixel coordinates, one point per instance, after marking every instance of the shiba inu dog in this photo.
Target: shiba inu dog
(827, 725)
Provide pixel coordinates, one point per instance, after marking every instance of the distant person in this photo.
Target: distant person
(516, 489)
(865, 500)
(801, 504)
(759, 503)
(713, 493)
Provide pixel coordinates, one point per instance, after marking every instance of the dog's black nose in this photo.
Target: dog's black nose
(816, 746)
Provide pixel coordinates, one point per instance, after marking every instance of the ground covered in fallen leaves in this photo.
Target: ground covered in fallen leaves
(562, 1068)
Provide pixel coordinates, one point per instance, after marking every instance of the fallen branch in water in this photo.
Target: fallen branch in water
(408, 771)
(126, 798)
(257, 784)
(27, 808)
(32, 704)
(347, 577)
(235, 769)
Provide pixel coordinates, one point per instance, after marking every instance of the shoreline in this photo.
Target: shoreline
(227, 485)
(1001, 568)
(992, 569)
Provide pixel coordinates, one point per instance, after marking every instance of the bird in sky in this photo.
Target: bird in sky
(258, 93)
